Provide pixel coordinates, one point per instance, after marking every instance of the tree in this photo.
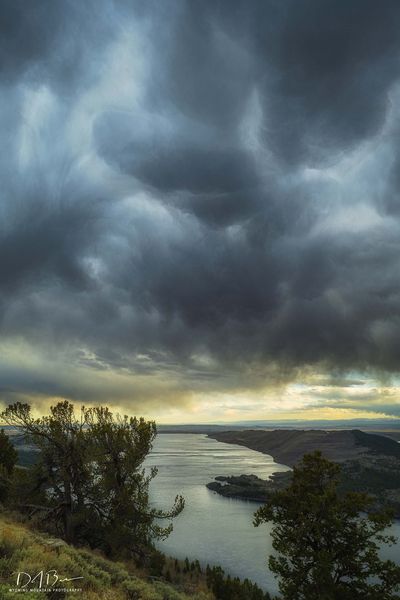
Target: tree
(120, 490)
(91, 470)
(64, 465)
(327, 546)
(226, 588)
(8, 454)
(8, 460)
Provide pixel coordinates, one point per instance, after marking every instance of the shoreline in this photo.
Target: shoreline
(370, 463)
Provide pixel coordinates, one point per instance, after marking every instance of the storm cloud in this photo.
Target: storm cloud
(202, 195)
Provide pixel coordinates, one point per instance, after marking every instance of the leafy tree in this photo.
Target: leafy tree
(91, 470)
(226, 588)
(120, 488)
(8, 454)
(327, 545)
(8, 459)
(64, 465)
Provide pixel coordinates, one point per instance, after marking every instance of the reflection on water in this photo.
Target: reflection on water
(211, 528)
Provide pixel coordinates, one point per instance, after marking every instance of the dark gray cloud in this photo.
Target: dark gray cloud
(201, 179)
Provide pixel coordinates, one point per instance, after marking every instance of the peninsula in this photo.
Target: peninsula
(370, 462)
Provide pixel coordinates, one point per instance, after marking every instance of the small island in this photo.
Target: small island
(249, 487)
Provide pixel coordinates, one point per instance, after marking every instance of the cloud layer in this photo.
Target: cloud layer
(198, 197)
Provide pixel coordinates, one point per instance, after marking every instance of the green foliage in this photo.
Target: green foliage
(8, 454)
(22, 550)
(63, 469)
(8, 459)
(89, 480)
(24, 488)
(119, 492)
(156, 563)
(327, 546)
(227, 588)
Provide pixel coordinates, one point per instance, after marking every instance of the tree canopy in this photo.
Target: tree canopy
(327, 545)
(8, 459)
(90, 479)
(8, 454)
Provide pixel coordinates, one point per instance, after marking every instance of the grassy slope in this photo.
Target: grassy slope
(24, 550)
(377, 444)
(289, 446)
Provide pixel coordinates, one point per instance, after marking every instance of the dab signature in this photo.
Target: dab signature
(42, 579)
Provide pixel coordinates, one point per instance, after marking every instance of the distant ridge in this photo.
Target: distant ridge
(197, 428)
(288, 446)
(370, 462)
(379, 425)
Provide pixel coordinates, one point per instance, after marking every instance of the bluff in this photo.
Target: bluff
(288, 446)
(369, 462)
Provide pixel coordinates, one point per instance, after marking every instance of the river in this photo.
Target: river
(214, 529)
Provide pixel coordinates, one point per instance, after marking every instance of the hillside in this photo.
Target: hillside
(288, 446)
(369, 462)
(24, 550)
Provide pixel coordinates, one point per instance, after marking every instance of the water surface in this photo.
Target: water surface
(214, 529)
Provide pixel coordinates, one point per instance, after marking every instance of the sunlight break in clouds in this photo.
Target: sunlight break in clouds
(199, 207)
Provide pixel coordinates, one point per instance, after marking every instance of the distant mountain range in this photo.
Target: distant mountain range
(389, 427)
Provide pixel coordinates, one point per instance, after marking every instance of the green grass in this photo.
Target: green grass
(22, 549)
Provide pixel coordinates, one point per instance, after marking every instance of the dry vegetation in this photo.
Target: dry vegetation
(23, 549)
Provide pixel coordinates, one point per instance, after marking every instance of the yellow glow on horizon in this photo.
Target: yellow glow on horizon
(44, 377)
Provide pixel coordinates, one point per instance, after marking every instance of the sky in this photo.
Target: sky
(199, 207)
